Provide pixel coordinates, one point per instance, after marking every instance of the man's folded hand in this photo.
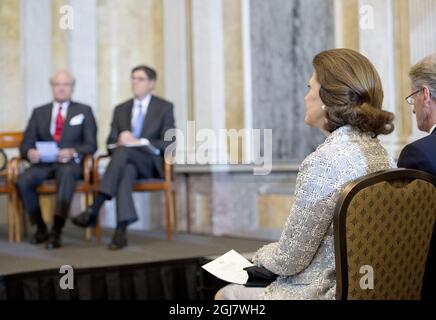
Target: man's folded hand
(33, 156)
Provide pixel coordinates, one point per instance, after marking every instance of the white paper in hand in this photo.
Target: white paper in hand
(48, 151)
(229, 267)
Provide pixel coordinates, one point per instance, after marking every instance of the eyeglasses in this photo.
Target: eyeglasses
(140, 79)
(62, 84)
(410, 99)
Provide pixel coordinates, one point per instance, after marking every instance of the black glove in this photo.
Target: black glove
(259, 277)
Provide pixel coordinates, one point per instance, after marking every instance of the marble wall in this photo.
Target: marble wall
(235, 203)
(10, 62)
(285, 35)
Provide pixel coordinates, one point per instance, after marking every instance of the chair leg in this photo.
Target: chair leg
(168, 201)
(18, 215)
(173, 209)
(88, 231)
(11, 231)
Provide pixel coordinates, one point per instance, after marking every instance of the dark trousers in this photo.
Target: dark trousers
(126, 166)
(65, 176)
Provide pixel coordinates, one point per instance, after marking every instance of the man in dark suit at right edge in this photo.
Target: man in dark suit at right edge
(137, 146)
(421, 154)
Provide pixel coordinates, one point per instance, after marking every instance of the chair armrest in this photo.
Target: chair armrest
(10, 178)
(16, 164)
(95, 172)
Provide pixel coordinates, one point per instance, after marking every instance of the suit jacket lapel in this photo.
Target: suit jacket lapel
(71, 112)
(148, 116)
(128, 119)
(47, 115)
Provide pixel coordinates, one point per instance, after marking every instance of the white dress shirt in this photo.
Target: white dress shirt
(433, 128)
(54, 114)
(144, 103)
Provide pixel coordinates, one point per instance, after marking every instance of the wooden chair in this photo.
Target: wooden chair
(383, 228)
(148, 185)
(9, 140)
(49, 187)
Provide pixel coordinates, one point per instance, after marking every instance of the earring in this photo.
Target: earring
(323, 107)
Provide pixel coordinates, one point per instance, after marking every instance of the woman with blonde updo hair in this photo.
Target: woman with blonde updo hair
(344, 101)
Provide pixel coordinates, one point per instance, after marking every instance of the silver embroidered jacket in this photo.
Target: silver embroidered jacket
(304, 256)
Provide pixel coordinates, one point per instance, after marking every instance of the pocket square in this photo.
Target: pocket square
(77, 120)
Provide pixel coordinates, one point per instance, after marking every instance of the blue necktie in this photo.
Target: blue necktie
(139, 122)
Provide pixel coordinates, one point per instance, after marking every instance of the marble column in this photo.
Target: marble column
(61, 38)
(285, 35)
(83, 51)
(208, 71)
(346, 24)
(36, 53)
(402, 66)
(234, 74)
(178, 82)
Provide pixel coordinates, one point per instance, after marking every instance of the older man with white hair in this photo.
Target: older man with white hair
(70, 129)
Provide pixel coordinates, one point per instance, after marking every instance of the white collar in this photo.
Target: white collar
(64, 104)
(433, 128)
(144, 102)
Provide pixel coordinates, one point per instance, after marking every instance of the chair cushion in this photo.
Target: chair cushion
(51, 185)
(150, 181)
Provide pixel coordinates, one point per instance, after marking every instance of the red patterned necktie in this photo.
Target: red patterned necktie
(59, 125)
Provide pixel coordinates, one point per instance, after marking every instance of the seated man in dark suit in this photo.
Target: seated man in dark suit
(144, 119)
(72, 127)
(421, 154)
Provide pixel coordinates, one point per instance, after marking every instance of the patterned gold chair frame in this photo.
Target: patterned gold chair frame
(383, 228)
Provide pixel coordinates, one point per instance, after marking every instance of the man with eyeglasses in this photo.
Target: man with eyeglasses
(70, 128)
(421, 154)
(137, 146)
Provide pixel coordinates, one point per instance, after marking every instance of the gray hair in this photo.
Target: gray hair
(73, 80)
(424, 74)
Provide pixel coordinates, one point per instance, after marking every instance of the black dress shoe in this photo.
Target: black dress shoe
(119, 240)
(85, 219)
(39, 237)
(54, 240)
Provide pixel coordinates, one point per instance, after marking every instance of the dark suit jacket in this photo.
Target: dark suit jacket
(420, 155)
(157, 121)
(80, 137)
